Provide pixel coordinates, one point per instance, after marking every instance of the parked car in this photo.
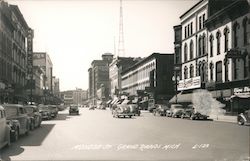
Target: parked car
(54, 110)
(33, 112)
(4, 129)
(73, 109)
(160, 110)
(176, 110)
(18, 117)
(244, 118)
(45, 112)
(191, 113)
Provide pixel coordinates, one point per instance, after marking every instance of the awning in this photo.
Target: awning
(108, 101)
(241, 95)
(181, 98)
(114, 101)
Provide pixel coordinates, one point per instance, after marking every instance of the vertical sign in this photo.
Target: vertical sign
(30, 54)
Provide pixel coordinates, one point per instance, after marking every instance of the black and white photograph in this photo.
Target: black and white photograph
(124, 80)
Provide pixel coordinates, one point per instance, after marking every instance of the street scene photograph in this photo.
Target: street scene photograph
(125, 80)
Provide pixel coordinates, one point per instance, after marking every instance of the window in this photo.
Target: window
(200, 46)
(203, 20)
(235, 36)
(226, 69)
(199, 22)
(191, 71)
(211, 45)
(191, 26)
(219, 71)
(185, 53)
(246, 31)
(218, 35)
(185, 31)
(226, 31)
(191, 48)
(211, 71)
(203, 44)
(185, 72)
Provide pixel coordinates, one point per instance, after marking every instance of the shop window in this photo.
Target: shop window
(211, 45)
(226, 31)
(191, 48)
(219, 71)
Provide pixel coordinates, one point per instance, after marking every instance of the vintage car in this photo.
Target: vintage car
(73, 109)
(176, 110)
(4, 129)
(191, 113)
(122, 111)
(18, 118)
(45, 112)
(244, 118)
(54, 110)
(160, 110)
(133, 107)
(36, 117)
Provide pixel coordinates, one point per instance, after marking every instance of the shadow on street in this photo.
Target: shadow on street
(35, 138)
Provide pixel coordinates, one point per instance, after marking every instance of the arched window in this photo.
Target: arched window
(211, 40)
(191, 71)
(185, 52)
(203, 44)
(218, 35)
(191, 48)
(246, 31)
(200, 46)
(235, 34)
(185, 72)
(226, 31)
(211, 66)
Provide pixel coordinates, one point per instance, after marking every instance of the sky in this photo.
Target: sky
(76, 32)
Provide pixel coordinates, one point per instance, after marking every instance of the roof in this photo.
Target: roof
(191, 8)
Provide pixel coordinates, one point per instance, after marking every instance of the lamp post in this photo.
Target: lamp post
(176, 79)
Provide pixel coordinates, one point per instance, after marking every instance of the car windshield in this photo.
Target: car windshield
(43, 108)
(73, 107)
(177, 106)
(10, 111)
(30, 110)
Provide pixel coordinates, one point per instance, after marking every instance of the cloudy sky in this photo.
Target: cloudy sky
(75, 32)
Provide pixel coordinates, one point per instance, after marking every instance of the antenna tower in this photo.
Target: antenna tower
(121, 49)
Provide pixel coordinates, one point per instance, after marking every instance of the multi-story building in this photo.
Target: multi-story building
(43, 60)
(56, 89)
(215, 52)
(99, 77)
(13, 53)
(153, 75)
(229, 53)
(77, 96)
(118, 65)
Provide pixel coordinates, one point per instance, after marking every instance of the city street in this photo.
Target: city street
(96, 135)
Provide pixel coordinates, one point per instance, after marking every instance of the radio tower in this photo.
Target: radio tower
(121, 49)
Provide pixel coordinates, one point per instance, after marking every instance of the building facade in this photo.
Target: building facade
(152, 75)
(13, 53)
(215, 52)
(118, 65)
(99, 78)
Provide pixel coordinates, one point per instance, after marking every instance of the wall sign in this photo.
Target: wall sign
(190, 83)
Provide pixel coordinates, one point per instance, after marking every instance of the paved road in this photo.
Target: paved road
(96, 135)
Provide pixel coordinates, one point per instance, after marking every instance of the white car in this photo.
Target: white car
(4, 129)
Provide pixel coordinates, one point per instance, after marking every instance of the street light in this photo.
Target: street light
(176, 79)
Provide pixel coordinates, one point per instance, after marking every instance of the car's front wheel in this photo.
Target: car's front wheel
(14, 136)
(241, 121)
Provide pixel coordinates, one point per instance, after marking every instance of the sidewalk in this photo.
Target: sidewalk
(223, 118)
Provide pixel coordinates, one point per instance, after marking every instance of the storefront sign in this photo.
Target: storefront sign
(242, 90)
(190, 83)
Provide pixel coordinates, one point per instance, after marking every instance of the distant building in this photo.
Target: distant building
(99, 77)
(152, 75)
(43, 60)
(56, 89)
(77, 96)
(118, 65)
